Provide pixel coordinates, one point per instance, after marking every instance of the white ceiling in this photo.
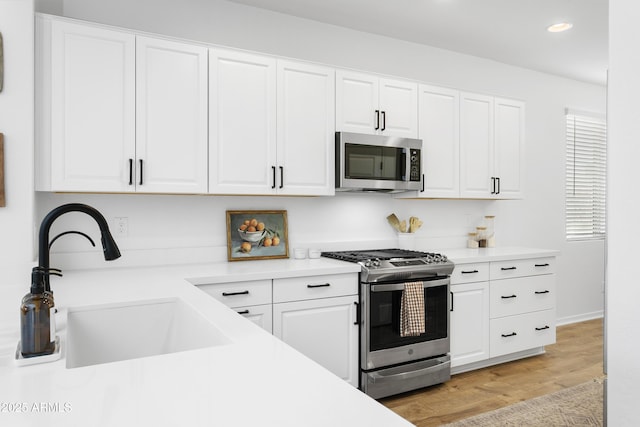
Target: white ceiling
(509, 31)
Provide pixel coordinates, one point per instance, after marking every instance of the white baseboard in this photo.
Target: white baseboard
(579, 318)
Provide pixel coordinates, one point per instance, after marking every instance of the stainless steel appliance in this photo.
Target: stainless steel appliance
(391, 364)
(377, 163)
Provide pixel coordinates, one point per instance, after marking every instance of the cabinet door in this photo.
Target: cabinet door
(398, 108)
(439, 129)
(306, 129)
(476, 146)
(357, 102)
(509, 148)
(171, 117)
(92, 108)
(469, 323)
(323, 330)
(261, 315)
(242, 123)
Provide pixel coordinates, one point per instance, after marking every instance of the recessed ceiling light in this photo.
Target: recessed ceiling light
(559, 27)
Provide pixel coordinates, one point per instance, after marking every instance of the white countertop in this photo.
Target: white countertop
(467, 256)
(255, 380)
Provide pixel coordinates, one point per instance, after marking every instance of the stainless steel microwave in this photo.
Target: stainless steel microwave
(377, 163)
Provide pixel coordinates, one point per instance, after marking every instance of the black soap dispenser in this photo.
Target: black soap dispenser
(37, 325)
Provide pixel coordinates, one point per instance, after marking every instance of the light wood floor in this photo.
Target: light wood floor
(575, 358)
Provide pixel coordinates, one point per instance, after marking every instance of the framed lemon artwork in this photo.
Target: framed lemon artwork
(253, 235)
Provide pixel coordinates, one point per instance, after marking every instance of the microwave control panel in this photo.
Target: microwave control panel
(414, 165)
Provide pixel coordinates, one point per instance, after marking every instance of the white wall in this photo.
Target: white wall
(161, 224)
(16, 122)
(623, 293)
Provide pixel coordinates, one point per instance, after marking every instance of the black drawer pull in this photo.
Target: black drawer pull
(469, 272)
(243, 312)
(541, 292)
(324, 285)
(357, 322)
(507, 268)
(230, 294)
(541, 265)
(509, 296)
(542, 329)
(512, 334)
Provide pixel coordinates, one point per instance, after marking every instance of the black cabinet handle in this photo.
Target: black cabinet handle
(273, 170)
(229, 294)
(384, 120)
(451, 300)
(422, 191)
(357, 322)
(281, 176)
(541, 292)
(498, 181)
(130, 171)
(469, 272)
(493, 185)
(512, 334)
(140, 171)
(509, 296)
(377, 120)
(324, 285)
(243, 312)
(508, 268)
(541, 265)
(542, 329)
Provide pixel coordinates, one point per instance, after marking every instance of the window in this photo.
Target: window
(586, 176)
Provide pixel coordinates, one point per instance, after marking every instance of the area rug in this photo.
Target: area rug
(580, 405)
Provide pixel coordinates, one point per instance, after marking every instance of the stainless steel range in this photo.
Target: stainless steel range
(390, 363)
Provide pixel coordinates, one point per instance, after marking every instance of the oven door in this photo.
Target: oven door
(381, 343)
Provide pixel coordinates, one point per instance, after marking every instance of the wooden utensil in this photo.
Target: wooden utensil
(394, 221)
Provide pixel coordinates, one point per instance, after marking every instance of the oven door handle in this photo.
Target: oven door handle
(400, 286)
(378, 378)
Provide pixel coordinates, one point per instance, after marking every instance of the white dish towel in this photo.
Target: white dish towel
(412, 321)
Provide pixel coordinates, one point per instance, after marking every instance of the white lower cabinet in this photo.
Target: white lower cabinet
(469, 323)
(324, 330)
(261, 315)
(316, 315)
(501, 309)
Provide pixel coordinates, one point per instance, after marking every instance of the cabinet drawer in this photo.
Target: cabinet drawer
(516, 333)
(312, 287)
(468, 273)
(240, 294)
(522, 267)
(522, 295)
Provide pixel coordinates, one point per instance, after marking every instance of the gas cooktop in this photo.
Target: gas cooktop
(395, 264)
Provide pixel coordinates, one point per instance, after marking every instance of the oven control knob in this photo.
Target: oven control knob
(376, 262)
(367, 263)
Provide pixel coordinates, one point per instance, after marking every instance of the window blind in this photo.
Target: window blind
(586, 177)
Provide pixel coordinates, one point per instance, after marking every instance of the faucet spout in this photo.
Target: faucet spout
(109, 246)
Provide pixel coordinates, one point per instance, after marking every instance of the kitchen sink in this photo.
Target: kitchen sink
(112, 333)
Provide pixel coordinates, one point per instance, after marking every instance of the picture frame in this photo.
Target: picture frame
(257, 234)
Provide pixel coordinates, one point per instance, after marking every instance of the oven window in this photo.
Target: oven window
(374, 162)
(384, 318)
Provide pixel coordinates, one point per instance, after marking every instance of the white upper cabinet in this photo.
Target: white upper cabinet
(271, 126)
(242, 123)
(306, 129)
(491, 147)
(476, 146)
(171, 117)
(119, 113)
(86, 107)
(439, 129)
(368, 104)
(509, 147)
